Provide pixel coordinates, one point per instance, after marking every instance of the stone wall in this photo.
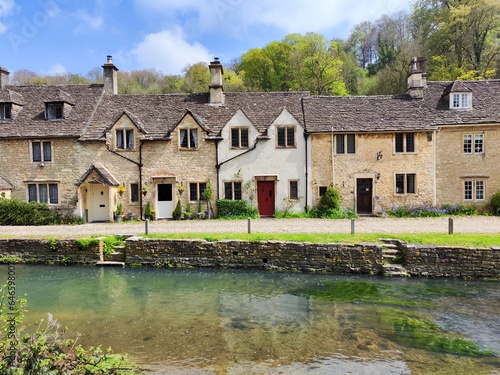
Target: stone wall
(290, 256)
(419, 260)
(47, 251)
(445, 261)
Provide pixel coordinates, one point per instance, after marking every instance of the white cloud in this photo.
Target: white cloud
(290, 16)
(55, 70)
(168, 51)
(6, 7)
(88, 21)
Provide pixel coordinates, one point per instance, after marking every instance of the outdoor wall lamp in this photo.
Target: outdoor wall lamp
(378, 175)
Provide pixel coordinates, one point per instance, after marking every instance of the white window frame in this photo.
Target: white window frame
(474, 190)
(460, 100)
(473, 144)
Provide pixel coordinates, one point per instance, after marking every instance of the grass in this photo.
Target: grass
(460, 240)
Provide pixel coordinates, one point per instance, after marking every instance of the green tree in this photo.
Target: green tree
(196, 78)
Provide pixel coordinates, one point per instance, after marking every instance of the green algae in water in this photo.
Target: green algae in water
(424, 334)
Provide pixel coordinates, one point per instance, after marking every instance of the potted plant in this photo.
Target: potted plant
(207, 195)
(177, 213)
(199, 211)
(147, 211)
(189, 214)
(121, 190)
(118, 212)
(180, 189)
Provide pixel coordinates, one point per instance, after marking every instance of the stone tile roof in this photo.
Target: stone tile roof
(105, 176)
(364, 114)
(4, 185)
(401, 113)
(10, 96)
(160, 114)
(31, 122)
(485, 103)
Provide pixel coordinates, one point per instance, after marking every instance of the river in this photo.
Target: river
(259, 322)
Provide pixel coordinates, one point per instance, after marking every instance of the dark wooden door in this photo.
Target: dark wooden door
(364, 196)
(265, 197)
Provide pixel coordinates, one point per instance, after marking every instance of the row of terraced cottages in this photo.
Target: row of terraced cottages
(73, 146)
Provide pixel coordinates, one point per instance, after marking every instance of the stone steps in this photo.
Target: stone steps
(394, 270)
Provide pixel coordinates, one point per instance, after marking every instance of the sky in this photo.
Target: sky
(75, 36)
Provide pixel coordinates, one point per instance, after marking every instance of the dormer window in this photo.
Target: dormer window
(461, 100)
(54, 110)
(5, 111)
(125, 139)
(188, 138)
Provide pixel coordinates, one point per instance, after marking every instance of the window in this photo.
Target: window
(294, 189)
(195, 191)
(5, 111)
(404, 142)
(344, 140)
(406, 183)
(474, 190)
(43, 193)
(286, 136)
(239, 137)
(42, 152)
(232, 190)
(134, 193)
(54, 111)
(322, 190)
(461, 101)
(188, 138)
(478, 144)
(125, 139)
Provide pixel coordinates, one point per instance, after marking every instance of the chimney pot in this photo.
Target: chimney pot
(4, 77)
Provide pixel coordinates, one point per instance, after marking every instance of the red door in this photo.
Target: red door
(265, 197)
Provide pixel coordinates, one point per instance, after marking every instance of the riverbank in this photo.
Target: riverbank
(392, 258)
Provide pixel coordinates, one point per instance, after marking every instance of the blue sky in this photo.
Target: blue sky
(74, 36)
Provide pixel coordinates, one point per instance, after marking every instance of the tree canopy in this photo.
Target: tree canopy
(460, 39)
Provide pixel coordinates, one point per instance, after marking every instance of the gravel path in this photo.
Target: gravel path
(473, 224)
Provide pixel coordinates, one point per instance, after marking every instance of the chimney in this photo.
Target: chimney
(110, 76)
(4, 78)
(417, 78)
(216, 90)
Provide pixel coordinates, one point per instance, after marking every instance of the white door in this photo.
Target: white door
(100, 202)
(164, 201)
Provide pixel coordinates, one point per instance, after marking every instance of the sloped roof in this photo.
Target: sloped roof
(4, 185)
(384, 113)
(30, 122)
(106, 177)
(160, 114)
(10, 96)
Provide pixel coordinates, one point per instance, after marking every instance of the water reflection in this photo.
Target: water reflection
(238, 322)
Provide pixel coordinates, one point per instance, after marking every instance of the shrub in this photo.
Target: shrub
(329, 201)
(495, 203)
(178, 209)
(17, 212)
(147, 210)
(236, 209)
